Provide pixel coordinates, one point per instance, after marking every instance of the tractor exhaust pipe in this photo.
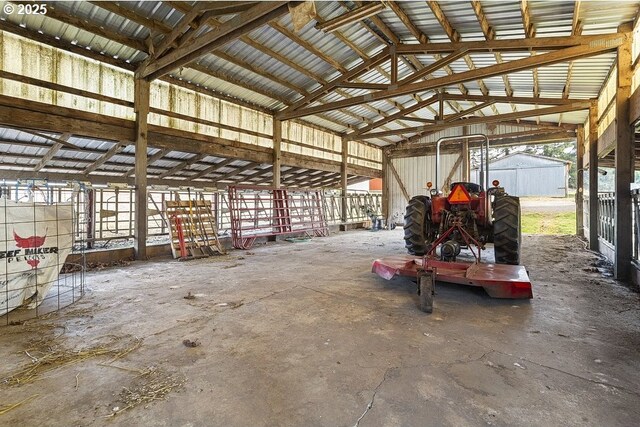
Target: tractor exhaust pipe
(484, 163)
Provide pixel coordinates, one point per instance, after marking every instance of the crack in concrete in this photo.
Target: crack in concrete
(541, 365)
(373, 397)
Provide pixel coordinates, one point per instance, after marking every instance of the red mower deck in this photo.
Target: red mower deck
(498, 280)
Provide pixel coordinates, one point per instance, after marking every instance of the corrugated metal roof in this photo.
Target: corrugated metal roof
(505, 17)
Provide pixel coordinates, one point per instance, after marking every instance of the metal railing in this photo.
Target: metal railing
(358, 206)
(606, 217)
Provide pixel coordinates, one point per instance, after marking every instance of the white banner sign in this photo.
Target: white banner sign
(35, 240)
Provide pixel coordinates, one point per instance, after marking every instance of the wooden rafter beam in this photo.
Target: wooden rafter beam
(169, 40)
(117, 147)
(345, 77)
(421, 38)
(577, 105)
(51, 152)
(85, 25)
(212, 168)
(150, 161)
(256, 174)
(530, 33)
(576, 30)
(63, 45)
(454, 36)
(508, 99)
(429, 69)
(550, 58)
(225, 33)
(183, 165)
(236, 171)
(117, 8)
(214, 23)
(355, 15)
(490, 34)
(513, 139)
(396, 116)
(461, 114)
(511, 45)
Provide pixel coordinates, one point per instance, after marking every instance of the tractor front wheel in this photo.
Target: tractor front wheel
(507, 235)
(417, 225)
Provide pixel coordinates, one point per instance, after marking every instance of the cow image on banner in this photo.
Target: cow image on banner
(35, 240)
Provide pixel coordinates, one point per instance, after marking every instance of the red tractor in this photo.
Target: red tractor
(437, 227)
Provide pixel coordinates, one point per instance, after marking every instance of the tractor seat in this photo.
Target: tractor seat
(469, 186)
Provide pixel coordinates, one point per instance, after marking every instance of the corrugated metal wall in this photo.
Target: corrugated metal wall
(28, 58)
(522, 175)
(415, 172)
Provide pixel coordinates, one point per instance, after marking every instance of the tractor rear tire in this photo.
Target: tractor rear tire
(507, 235)
(417, 223)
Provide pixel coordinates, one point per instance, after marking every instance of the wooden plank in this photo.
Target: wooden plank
(624, 161)
(399, 181)
(576, 105)
(227, 32)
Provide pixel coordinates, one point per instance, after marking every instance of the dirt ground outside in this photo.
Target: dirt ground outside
(292, 334)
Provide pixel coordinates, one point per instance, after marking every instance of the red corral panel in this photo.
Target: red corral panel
(375, 184)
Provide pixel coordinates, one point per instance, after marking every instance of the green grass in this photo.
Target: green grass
(549, 223)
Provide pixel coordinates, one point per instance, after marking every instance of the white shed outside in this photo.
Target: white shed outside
(523, 174)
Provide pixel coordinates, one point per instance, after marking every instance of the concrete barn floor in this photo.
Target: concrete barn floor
(302, 334)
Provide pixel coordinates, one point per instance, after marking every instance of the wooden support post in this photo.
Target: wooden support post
(593, 176)
(394, 64)
(91, 217)
(624, 161)
(343, 177)
(277, 156)
(385, 185)
(141, 106)
(466, 161)
(580, 183)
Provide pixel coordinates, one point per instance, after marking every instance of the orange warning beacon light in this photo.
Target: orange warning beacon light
(459, 195)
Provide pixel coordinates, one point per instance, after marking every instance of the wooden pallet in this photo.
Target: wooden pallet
(192, 229)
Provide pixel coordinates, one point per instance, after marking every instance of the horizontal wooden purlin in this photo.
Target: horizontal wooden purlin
(240, 24)
(509, 99)
(540, 125)
(538, 43)
(97, 179)
(418, 119)
(576, 105)
(372, 86)
(516, 65)
(525, 138)
(61, 88)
